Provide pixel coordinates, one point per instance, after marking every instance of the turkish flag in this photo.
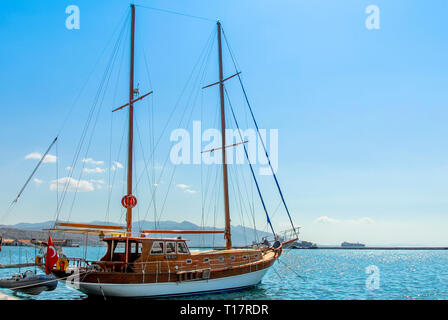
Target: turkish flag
(52, 256)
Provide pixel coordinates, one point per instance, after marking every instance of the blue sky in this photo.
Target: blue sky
(361, 113)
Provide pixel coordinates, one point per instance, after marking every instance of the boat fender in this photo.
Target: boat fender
(276, 244)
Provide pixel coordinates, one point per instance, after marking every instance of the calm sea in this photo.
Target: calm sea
(307, 274)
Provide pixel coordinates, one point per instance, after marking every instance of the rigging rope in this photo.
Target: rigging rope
(98, 101)
(123, 20)
(258, 131)
(176, 13)
(110, 186)
(87, 125)
(34, 171)
(250, 164)
(201, 66)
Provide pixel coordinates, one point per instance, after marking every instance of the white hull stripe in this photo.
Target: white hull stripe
(162, 289)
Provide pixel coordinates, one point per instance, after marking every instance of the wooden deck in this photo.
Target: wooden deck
(371, 248)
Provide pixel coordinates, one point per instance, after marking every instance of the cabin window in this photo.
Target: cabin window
(221, 259)
(157, 247)
(256, 256)
(232, 258)
(189, 261)
(170, 247)
(206, 260)
(182, 248)
(244, 257)
(120, 248)
(136, 247)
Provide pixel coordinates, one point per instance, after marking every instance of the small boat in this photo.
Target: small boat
(29, 282)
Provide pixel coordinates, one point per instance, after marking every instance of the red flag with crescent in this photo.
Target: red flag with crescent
(52, 256)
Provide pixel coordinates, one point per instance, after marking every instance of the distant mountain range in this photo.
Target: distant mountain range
(241, 236)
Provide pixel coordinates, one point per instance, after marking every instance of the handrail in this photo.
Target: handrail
(89, 226)
(213, 264)
(183, 231)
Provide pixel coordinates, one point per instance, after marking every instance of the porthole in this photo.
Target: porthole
(189, 261)
(221, 259)
(256, 256)
(232, 258)
(206, 260)
(244, 257)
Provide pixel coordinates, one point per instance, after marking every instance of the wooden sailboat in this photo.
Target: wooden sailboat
(136, 265)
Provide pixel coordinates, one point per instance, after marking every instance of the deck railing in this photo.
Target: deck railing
(180, 268)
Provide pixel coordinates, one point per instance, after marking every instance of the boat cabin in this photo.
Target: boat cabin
(141, 251)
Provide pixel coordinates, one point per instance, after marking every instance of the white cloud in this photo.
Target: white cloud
(91, 161)
(49, 158)
(98, 183)
(116, 165)
(68, 168)
(325, 219)
(95, 170)
(33, 155)
(363, 220)
(71, 185)
(328, 220)
(38, 181)
(186, 188)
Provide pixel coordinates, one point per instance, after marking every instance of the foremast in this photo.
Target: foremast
(227, 233)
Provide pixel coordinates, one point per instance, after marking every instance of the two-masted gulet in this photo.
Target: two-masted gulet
(136, 265)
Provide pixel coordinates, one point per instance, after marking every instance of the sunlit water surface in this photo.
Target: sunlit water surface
(305, 274)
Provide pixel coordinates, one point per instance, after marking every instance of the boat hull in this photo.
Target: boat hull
(33, 284)
(164, 289)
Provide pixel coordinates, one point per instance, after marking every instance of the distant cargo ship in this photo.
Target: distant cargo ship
(352, 245)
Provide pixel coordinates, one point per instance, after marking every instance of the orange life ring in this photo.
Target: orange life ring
(62, 264)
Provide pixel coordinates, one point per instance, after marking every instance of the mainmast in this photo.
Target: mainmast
(223, 143)
(131, 122)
